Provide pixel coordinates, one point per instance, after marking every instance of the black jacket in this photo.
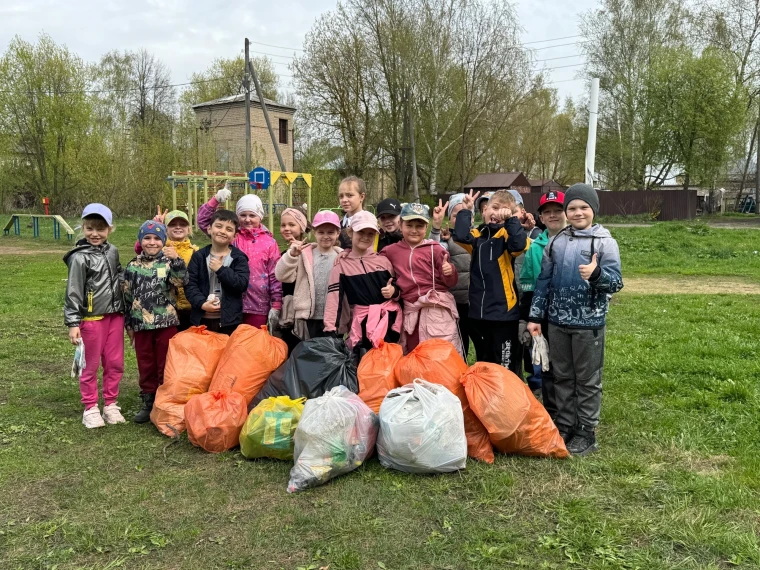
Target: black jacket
(234, 281)
(387, 239)
(493, 292)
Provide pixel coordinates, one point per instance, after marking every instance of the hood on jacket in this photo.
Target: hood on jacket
(84, 246)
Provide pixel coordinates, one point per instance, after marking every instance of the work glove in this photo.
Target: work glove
(79, 363)
(523, 334)
(540, 353)
(224, 194)
(273, 319)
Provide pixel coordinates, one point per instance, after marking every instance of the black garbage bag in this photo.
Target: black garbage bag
(314, 367)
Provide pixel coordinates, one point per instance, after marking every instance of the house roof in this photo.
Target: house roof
(240, 98)
(498, 180)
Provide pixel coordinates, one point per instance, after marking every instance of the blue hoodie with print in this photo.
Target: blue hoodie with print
(561, 294)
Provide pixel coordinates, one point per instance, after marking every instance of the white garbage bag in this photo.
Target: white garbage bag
(422, 429)
(335, 435)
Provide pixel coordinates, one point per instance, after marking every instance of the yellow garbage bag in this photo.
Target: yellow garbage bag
(269, 429)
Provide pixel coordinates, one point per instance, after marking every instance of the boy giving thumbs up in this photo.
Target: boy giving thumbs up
(580, 271)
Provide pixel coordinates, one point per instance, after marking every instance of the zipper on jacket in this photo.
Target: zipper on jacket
(482, 277)
(90, 295)
(411, 272)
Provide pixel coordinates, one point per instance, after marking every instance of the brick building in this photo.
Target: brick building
(222, 124)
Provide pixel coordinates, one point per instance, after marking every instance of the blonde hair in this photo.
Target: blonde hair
(503, 197)
(361, 187)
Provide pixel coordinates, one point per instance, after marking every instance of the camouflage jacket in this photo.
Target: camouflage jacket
(150, 291)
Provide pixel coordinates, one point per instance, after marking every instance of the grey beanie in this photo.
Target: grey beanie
(583, 192)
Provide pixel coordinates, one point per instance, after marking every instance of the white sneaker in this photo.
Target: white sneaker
(92, 418)
(112, 414)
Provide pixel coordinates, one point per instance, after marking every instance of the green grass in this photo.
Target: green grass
(675, 484)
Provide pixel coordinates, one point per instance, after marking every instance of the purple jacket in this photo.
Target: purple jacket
(264, 291)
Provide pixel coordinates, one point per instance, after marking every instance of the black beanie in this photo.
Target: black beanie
(583, 192)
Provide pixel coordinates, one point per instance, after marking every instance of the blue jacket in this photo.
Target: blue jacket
(561, 294)
(493, 291)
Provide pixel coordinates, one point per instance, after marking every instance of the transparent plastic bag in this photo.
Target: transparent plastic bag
(336, 434)
(422, 430)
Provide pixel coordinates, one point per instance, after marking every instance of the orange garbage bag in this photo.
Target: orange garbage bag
(190, 364)
(438, 361)
(250, 358)
(214, 420)
(376, 373)
(515, 420)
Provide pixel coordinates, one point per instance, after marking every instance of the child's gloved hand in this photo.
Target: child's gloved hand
(273, 319)
(389, 290)
(224, 194)
(540, 353)
(522, 333)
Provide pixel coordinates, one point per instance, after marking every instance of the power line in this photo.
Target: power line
(552, 40)
(562, 57)
(274, 55)
(278, 47)
(558, 45)
(564, 66)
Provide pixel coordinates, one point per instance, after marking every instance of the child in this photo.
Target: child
(493, 293)
(294, 228)
(263, 298)
(580, 268)
(351, 194)
(482, 202)
(424, 275)
(177, 230)
(552, 214)
(362, 298)
(389, 215)
(460, 258)
(150, 295)
(94, 313)
(306, 267)
(218, 278)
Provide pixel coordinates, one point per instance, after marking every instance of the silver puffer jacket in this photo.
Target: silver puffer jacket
(94, 284)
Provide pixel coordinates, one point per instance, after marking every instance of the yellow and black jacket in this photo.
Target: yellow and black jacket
(494, 247)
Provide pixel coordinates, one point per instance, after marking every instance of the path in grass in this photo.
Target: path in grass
(694, 285)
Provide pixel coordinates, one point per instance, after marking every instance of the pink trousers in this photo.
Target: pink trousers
(103, 343)
(257, 321)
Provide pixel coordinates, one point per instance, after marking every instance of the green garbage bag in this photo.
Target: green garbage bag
(269, 429)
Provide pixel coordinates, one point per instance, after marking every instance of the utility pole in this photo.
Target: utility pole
(275, 142)
(401, 184)
(247, 87)
(414, 154)
(591, 142)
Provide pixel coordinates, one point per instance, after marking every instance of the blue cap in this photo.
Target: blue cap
(518, 198)
(415, 211)
(96, 209)
(152, 228)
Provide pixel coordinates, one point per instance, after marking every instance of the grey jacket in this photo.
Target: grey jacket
(94, 284)
(460, 258)
(561, 294)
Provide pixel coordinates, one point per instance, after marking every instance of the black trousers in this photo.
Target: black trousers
(466, 330)
(215, 325)
(500, 343)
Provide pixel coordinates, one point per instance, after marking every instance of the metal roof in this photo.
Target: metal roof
(498, 180)
(240, 98)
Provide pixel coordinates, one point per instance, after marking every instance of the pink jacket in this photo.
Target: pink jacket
(264, 291)
(300, 270)
(417, 267)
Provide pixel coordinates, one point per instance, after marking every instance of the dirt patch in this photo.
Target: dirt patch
(686, 285)
(7, 250)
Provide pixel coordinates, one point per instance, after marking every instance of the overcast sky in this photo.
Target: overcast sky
(188, 34)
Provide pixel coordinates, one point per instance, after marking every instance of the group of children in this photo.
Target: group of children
(364, 278)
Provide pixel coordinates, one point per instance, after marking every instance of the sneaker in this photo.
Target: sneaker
(112, 414)
(582, 443)
(92, 418)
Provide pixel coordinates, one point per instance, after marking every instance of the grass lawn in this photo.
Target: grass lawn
(676, 483)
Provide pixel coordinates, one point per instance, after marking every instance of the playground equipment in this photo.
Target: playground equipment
(58, 223)
(202, 185)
